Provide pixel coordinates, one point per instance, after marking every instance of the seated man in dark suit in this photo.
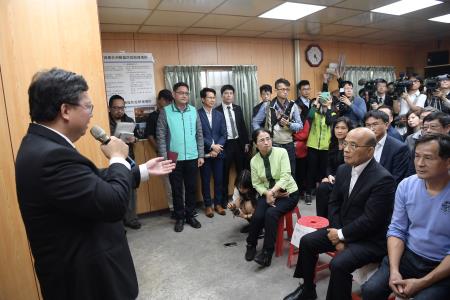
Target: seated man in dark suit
(359, 212)
(72, 211)
(392, 154)
(214, 136)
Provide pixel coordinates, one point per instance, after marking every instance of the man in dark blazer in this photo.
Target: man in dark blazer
(392, 154)
(214, 136)
(72, 211)
(237, 144)
(359, 212)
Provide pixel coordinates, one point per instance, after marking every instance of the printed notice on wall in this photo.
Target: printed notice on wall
(131, 75)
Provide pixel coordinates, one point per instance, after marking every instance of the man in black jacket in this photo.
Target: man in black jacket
(359, 212)
(72, 211)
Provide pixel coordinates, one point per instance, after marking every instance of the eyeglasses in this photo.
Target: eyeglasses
(88, 107)
(284, 89)
(118, 107)
(182, 93)
(370, 126)
(262, 140)
(432, 127)
(353, 146)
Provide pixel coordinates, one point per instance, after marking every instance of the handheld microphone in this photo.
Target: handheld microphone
(100, 135)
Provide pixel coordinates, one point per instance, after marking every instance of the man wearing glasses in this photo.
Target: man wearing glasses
(282, 119)
(359, 212)
(117, 114)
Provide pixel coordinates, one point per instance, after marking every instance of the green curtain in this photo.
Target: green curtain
(355, 73)
(188, 74)
(245, 83)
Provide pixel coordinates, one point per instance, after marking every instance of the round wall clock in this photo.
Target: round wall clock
(314, 55)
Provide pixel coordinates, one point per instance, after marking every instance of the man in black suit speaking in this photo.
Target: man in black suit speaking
(72, 211)
(359, 212)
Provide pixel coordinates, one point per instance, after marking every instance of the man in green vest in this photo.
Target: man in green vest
(179, 132)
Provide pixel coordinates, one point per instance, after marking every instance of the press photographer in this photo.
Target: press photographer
(350, 106)
(438, 93)
(409, 96)
(376, 90)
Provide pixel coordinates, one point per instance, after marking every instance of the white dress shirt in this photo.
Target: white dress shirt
(227, 120)
(379, 148)
(356, 172)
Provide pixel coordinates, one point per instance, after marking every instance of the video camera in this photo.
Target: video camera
(401, 85)
(432, 83)
(369, 89)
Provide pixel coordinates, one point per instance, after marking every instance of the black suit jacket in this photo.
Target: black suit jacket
(240, 123)
(365, 214)
(73, 213)
(395, 158)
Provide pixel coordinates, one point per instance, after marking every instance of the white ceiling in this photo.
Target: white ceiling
(349, 20)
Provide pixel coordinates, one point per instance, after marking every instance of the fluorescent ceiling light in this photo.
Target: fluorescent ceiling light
(291, 11)
(405, 6)
(443, 19)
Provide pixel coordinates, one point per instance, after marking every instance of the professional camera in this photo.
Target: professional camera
(370, 87)
(433, 83)
(401, 85)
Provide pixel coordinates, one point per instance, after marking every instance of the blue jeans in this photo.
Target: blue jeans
(411, 266)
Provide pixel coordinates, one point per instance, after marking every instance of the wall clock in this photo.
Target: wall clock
(314, 55)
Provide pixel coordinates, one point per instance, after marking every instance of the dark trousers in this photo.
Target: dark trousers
(214, 166)
(322, 196)
(317, 166)
(291, 153)
(130, 215)
(185, 171)
(267, 217)
(234, 153)
(353, 257)
(411, 266)
(301, 167)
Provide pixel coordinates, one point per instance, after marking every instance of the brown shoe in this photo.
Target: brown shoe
(219, 209)
(209, 212)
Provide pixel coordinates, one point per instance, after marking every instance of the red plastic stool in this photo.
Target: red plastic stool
(315, 222)
(285, 224)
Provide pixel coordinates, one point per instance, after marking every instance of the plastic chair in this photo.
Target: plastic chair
(285, 224)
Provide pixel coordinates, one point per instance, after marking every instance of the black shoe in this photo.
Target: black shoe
(193, 222)
(264, 258)
(195, 213)
(179, 226)
(134, 224)
(250, 253)
(308, 199)
(301, 293)
(245, 229)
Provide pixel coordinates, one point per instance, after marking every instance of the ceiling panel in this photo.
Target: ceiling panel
(277, 35)
(221, 21)
(191, 5)
(173, 18)
(430, 12)
(331, 15)
(249, 33)
(260, 24)
(122, 15)
(143, 4)
(365, 4)
(292, 27)
(335, 29)
(317, 2)
(365, 19)
(161, 29)
(118, 28)
(362, 31)
(246, 8)
(204, 31)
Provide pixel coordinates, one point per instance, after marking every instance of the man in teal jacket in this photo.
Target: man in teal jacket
(180, 137)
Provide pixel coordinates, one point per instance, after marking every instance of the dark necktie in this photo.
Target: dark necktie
(267, 170)
(233, 126)
(380, 100)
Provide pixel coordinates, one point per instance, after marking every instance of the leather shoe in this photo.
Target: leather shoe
(250, 253)
(134, 224)
(308, 199)
(193, 222)
(209, 212)
(179, 226)
(301, 293)
(264, 258)
(219, 209)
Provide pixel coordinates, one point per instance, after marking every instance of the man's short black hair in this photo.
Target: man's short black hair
(443, 118)
(177, 85)
(377, 114)
(302, 83)
(388, 108)
(283, 81)
(165, 94)
(114, 97)
(442, 139)
(206, 90)
(347, 82)
(380, 80)
(265, 88)
(226, 87)
(50, 89)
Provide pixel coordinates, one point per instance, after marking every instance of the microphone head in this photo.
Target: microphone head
(99, 134)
